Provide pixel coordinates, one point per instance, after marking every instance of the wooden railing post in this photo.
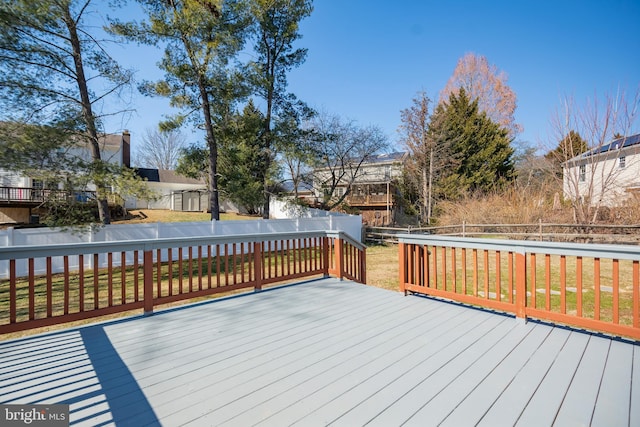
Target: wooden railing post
(521, 285)
(338, 256)
(363, 266)
(257, 264)
(402, 266)
(325, 256)
(147, 263)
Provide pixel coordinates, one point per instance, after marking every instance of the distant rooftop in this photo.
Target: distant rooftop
(616, 144)
(162, 175)
(387, 157)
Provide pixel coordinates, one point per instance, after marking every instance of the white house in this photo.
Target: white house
(608, 174)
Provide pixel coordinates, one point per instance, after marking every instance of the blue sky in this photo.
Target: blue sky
(367, 58)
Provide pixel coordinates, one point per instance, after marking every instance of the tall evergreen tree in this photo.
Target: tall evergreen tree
(241, 162)
(479, 152)
(201, 38)
(276, 30)
(570, 146)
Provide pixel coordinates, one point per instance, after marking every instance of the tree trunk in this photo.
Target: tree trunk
(214, 201)
(88, 117)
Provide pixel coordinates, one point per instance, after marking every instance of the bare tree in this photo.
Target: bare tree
(414, 130)
(160, 149)
(597, 177)
(340, 149)
(487, 84)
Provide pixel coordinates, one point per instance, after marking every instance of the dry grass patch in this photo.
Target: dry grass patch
(382, 266)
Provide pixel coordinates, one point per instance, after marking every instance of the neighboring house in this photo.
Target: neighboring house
(20, 195)
(174, 192)
(375, 191)
(609, 174)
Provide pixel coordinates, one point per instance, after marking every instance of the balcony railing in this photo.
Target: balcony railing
(53, 284)
(30, 195)
(370, 199)
(591, 286)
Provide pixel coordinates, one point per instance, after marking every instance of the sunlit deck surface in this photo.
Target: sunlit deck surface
(326, 352)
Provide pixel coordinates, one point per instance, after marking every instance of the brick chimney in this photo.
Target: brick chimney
(126, 148)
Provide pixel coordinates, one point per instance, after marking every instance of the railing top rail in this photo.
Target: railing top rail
(593, 250)
(37, 251)
(344, 236)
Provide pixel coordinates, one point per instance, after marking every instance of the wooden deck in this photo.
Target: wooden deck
(326, 352)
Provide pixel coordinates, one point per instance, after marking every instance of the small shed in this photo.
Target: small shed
(190, 200)
(173, 191)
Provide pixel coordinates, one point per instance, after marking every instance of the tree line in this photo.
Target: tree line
(467, 147)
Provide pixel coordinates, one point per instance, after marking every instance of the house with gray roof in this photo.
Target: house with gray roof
(608, 174)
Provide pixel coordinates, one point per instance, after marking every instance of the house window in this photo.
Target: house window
(622, 162)
(583, 173)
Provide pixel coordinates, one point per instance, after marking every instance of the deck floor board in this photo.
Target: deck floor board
(326, 352)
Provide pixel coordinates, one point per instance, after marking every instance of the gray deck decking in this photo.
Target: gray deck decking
(326, 352)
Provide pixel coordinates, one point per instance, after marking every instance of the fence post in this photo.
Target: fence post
(257, 265)
(402, 267)
(540, 228)
(521, 285)
(148, 282)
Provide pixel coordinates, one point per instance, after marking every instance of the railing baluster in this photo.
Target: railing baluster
(110, 279)
(170, 270)
(136, 276)
(486, 273)
(498, 286)
(159, 273)
(547, 282)
(475, 272)
(209, 266)
(596, 286)
(444, 268)
(96, 281)
(190, 266)
(66, 284)
(616, 291)
(200, 266)
(218, 275)
(636, 293)
(123, 278)
(563, 284)
(13, 300)
(81, 283)
(534, 281)
(49, 288)
(579, 286)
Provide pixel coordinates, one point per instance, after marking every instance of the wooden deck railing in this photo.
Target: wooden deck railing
(591, 286)
(31, 195)
(53, 284)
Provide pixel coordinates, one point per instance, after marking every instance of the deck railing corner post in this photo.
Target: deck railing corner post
(339, 257)
(325, 256)
(402, 268)
(521, 285)
(257, 265)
